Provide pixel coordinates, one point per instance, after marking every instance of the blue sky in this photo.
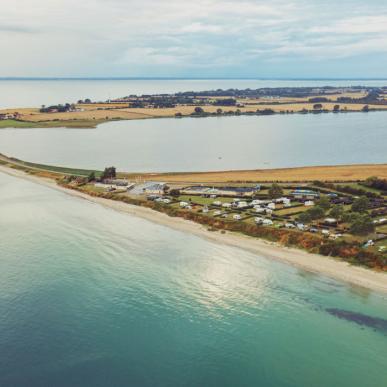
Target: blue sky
(196, 38)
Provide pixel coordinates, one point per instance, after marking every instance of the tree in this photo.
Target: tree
(91, 176)
(365, 109)
(109, 173)
(362, 225)
(87, 100)
(337, 212)
(324, 203)
(275, 191)
(174, 192)
(349, 217)
(317, 106)
(316, 212)
(304, 217)
(336, 108)
(199, 110)
(360, 204)
(219, 111)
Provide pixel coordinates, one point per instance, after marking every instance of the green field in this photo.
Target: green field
(50, 124)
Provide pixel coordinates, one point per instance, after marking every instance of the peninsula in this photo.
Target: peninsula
(297, 220)
(265, 101)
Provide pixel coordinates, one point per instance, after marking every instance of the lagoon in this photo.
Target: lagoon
(204, 144)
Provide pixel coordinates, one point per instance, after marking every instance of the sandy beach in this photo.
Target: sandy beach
(318, 264)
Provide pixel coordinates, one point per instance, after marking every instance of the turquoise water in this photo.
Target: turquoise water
(93, 297)
(33, 93)
(202, 144)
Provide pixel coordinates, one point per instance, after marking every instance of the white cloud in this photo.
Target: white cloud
(156, 37)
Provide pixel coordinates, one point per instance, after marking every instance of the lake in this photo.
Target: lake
(94, 297)
(203, 144)
(33, 93)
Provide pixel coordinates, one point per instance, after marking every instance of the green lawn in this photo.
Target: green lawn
(16, 124)
(50, 124)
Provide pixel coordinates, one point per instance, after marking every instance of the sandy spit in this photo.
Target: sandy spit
(315, 263)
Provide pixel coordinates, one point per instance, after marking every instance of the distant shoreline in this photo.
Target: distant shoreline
(185, 79)
(315, 263)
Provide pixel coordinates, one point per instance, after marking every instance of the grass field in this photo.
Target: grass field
(303, 174)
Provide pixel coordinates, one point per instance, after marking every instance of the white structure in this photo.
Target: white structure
(237, 217)
(183, 204)
(242, 205)
(226, 205)
(309, 203)
(258, 220)
(217, 203)
(267, 222)
(271, 206)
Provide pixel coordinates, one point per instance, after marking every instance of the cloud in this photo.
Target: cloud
(186, 38)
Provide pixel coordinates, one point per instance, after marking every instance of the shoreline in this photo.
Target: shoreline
(73, 121)
(318, 264)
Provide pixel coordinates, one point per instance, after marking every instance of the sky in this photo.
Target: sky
(194, 38)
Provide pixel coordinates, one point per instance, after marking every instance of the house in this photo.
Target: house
(305, 194)
(9, 116)
(237, 217)
(155, 189)
(309, 203)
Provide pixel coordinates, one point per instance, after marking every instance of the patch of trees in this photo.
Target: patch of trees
(109, 173)
(225, 102)
(311, 214)
(347, 189)
(56, 108)
(318, 99)
(376, 183)
(362, 225)
(276, 191)
(265, 112)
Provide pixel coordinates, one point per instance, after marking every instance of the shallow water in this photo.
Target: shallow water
(202, 144)
(94, 297)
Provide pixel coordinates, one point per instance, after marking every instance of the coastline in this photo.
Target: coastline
(315, 263)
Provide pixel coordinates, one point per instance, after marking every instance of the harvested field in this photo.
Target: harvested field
(302, 174)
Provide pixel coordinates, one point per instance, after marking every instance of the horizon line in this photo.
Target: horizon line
(197, 78)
